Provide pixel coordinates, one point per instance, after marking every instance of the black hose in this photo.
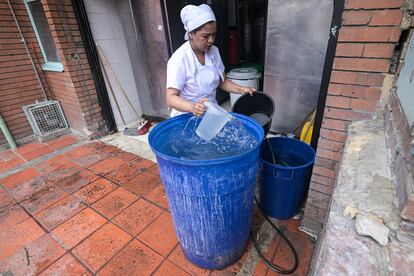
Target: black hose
(272, 266)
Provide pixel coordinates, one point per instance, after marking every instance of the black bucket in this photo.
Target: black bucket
(259, 107)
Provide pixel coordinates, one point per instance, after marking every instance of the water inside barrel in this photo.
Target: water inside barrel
(261, 118)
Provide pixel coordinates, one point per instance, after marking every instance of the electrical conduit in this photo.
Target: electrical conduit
(7, 133)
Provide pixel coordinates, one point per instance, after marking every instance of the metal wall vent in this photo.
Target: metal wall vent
(46, 119)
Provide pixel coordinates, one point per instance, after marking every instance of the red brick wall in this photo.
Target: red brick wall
(18, 83)
(365, 46)
(74, 88)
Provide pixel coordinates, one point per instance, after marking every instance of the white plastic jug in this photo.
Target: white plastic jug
(213, 121)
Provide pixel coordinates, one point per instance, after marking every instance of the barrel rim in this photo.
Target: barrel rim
(259, 94)
(190, 162)
(290, 167)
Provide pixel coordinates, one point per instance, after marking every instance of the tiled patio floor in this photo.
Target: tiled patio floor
(72, 207)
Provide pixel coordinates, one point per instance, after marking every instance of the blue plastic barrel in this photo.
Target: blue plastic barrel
(282, 183)
(211, 201)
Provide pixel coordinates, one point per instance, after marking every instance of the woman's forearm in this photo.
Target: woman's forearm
(174, 101)
(229, 86)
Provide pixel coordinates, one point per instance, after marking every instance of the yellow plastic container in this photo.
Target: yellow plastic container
(306, 133)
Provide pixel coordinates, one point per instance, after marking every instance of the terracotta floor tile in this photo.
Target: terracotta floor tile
(18, 236)
(101, 246)
(95, 190)
(293, 225)
(66, 266)
(18, 178)
(76, 181)
(110, 150)
(74, 230)
(23, 149)
(59, 212)
(6, 201)
(158, 196)
(36, 152)
(126, 156)
(50, 165)
(135, 259)
(160, 235)
(85, 156)
(179, 259)
(64, 172)
(143, 183)
(107, 165)
(261, 268)
(114, 202)
(34, 258)
(235, 268)
(29, 188)
(170, 269)
(124, 173)
(304, 248)
(154, 169)
(11, 216)
(96, 145)
(137, 216)
(43, 199)
(143, 163)
(63, 141)
(79, 152)
(9, 160)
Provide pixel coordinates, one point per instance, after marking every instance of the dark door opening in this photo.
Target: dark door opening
(241, 31)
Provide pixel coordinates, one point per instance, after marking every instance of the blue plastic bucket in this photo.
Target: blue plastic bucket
(282, 183)
(211, 201)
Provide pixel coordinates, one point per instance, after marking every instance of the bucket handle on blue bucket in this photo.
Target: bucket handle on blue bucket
(275, 175)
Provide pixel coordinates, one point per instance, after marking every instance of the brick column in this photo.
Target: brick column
(74, 88)
(369, 33)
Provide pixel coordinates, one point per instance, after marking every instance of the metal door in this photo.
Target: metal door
(149, 54)
(296, 40)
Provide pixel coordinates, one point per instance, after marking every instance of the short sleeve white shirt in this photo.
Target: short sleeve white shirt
(186, 74)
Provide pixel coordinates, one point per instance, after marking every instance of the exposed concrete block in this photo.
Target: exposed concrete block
(350, 212)
(368, 225)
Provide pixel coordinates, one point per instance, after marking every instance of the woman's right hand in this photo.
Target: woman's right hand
(199, 108)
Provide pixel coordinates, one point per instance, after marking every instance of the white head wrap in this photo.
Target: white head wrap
(196, 16)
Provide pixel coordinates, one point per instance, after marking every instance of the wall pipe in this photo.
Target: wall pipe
(27, 50)
(7, 133)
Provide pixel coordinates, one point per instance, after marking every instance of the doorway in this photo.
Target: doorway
(240, 34)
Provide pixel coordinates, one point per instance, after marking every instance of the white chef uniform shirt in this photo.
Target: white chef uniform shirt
(194, 80)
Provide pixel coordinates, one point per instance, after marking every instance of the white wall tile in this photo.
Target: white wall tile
(96, 6)
(116, 26)
(115, 51)
(100, 26)
(107, 29)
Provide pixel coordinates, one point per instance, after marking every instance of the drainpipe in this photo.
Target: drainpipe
(7, 133)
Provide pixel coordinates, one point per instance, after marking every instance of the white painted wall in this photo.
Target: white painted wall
(107, 30)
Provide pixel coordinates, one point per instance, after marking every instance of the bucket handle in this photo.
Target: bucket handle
(292, 172)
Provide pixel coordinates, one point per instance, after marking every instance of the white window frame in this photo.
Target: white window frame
(48, 65)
